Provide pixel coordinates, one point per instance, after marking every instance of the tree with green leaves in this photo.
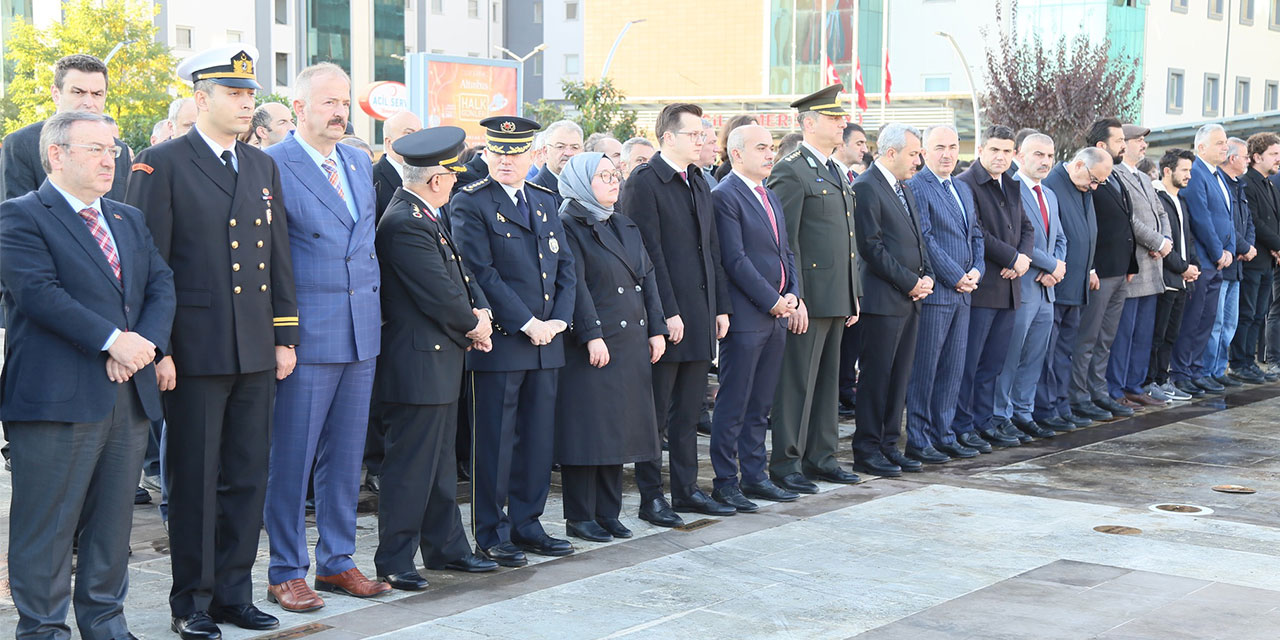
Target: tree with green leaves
(597, 107)
(141, 77)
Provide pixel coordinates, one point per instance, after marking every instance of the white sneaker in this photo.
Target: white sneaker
(1174, 393)
(1156, 392)
(151, 483)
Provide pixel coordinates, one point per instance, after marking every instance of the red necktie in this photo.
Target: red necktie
(1044, 208)
(90, 216)
(773, 222)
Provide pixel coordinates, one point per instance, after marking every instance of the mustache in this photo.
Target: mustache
(339, 120)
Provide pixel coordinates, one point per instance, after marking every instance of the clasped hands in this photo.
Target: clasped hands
(922, 290)
(1020, 266)
(129, 354)
(1052, 278)
(480, 336)
(969, 282)
(542, 332)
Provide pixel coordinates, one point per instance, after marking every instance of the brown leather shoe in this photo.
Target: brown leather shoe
(1144, 399)
(1125, 402)
(352, 583)
(294, 595)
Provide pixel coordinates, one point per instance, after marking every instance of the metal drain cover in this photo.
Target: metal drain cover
(1118, 530)
(1233, 488)
(1182, 509)
(696, 524)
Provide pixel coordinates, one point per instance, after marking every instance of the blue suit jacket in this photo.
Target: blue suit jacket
(1050, 245)
(1210, 218)
(335, 267)
(953, 237)
(62, 302)
(1080, 224)
(750, 254)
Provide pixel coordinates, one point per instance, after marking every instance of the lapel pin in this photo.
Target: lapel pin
(117, 216)
(555, 245)
(501, 219)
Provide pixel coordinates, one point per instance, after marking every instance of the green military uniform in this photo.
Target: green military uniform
(818, 205)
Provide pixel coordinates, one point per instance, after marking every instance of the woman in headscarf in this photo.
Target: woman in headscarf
(604, 412)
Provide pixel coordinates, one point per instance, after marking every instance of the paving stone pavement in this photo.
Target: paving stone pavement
(1002, 546)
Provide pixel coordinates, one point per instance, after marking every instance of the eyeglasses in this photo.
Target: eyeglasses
(97, 150)
(693, 135)
(560, 146)
(1096, 182)
(609, 177)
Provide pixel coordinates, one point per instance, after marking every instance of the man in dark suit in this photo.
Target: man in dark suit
(671, 204)
(846, 155)
(433, 311)
(210, 203)
(511, 240)
(896, 276)
(761, 269)
(1073, 182)
(1114, 261)
(1008, 240)
(84, 290)
(79, 84)
(817, 203)
(560, 141)
(1209, 210)
(388, 173)
(1181, 271)
(321, 410)
(1255, 287)
(953, 235)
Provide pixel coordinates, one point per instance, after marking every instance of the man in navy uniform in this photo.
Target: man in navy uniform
(210, 202)
(511, 239)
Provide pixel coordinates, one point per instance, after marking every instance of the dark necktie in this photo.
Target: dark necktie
(99, 234)
(523, 208)
(951, 191)
(1044, 208)
(835, 171)
(231, 167)
(897, 188)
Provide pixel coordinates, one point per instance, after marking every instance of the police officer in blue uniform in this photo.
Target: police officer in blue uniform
(512, 241)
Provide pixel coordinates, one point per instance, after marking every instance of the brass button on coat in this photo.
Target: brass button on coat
(236, 289)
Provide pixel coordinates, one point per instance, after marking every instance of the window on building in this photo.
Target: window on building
(937, 83)
(570, 9)
(1173, 104)
(572, 66)
(1216, 8)
(1246, 11)
(182, 37)
(282, 69)
(497, 12)
(1242, 96)
(282, 11)
(437, 7)
(1179, 6)
(473, 8)
(537, 65)
(1274, 22)
(1271, 96)
(537, 11)
(1212, 89)
(234, 36)
(473, 54)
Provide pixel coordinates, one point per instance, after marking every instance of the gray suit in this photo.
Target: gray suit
(1150, 230)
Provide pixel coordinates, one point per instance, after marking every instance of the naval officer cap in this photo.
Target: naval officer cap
(230, 65)
(825, 101)
(509, 135)
(437, 146)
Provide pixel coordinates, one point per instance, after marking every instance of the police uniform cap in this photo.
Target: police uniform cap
(437, 146)
(509, 135)
(825, 101)
(230, 65)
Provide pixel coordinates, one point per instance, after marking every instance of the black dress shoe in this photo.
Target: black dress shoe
(1118, 410)
(767, 490)
(847, 410)
(587, 530)
(1005, 428)
(1227, 381)
(877, 465)
(464, 473)
(1092, 412)
(141, 496)
(372, 483)
(544, 546)
(658, 512)
(469, 563)
(699, 502)
(1209, 385)
(1057, 423)
(245, 616)
(505, 554)
(407, 581)
(999, 439)
(837, 475)
(795, 482)
(197, 626)
(615, 527)
(927, 455)
(1031, 428)
(974, 441)
(905, 463)
(956, 450)
(665, 446)
(731, 495)
(1076, 420)
(1188, 387)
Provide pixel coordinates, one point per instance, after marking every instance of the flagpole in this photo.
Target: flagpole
(822, 62)
(884, 72)
(856, 42)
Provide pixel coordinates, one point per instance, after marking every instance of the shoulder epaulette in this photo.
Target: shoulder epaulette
(476, 185)
(538, 186)
(792, 156)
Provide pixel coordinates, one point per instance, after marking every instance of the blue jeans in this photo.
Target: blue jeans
(1214, 358)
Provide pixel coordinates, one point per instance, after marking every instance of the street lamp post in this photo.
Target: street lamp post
(116, 50)
(521, 59)
(973, 89)
(604, 73)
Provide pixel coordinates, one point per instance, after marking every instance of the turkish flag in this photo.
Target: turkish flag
(858, 87)
(888, 79)
(830, 76)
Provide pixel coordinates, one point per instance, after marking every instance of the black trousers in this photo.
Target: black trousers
(850, 345)
(1255, 297)
(374, 448)
(1169, 308)
(889, 348)
(592, 492)
(678, 390)
(217, 446)
(417, 504)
